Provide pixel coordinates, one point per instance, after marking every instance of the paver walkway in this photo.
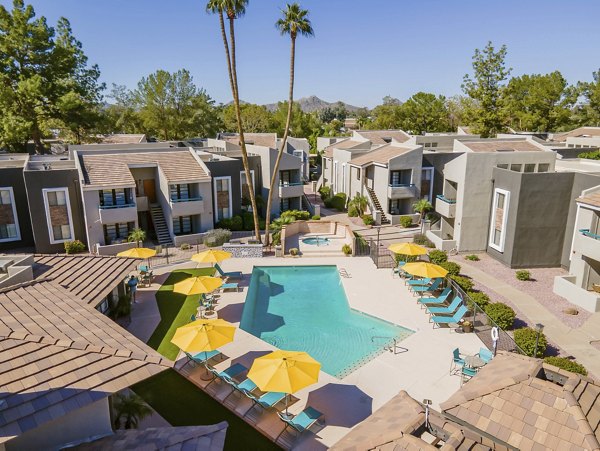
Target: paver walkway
(576, 342)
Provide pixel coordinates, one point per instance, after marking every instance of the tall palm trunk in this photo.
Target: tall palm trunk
(238, 115)
(283, 141)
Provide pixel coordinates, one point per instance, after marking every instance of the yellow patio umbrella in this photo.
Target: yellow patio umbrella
(407, 249)
(203, 335)
(137, 252)
(197, 285)
(284, 372)
(211, 256)
(424, 269)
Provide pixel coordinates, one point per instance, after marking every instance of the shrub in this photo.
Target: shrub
(346, 249)
(216, 237)
(472, 257)
(438, 257)
(523, 275)
(566, 364)
(525, 339)
(325, 192)
(316, 218)
(294, 251)
(234, 223)
(594, 155)
(122, 308)
(503, 315)
(368, 219)
(452, 268)
(352, 211)
(74, 247)
(479, 298)
(464, 282)
(422, 240)
(185, 246)
(405, 221)
(247, 221)
(405, 258)
(296, 215)
(339, 201)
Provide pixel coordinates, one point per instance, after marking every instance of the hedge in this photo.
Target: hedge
(479, 298)
(422, 240)
(452, 268)
(438, 257)
(368, 219)
(503, 315)
(566, 364)
(525, 339)
(464, 282)
(406, 221)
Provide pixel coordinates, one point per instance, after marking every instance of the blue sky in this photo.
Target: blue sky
(362, 50)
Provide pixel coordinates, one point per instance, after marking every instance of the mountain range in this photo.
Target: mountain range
(310, 104)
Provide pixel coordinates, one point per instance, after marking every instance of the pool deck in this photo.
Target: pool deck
(421, 366)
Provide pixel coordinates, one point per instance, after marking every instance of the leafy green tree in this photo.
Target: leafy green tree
(235, 9)
(422, 206)
(122, 115)
(255, 118)
(539, 102)
(462, 110)
(388, 115)
(294, 21)
(591, 94)
(486, 87)
(425, 112)
(137, 236)
(45, 80)
(359, 203)
(302, 124)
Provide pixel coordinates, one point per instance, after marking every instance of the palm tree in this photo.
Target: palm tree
(294, 21)
(235, 9)
(132, 407)
(137, 235)
(359, 202)
(422, 207)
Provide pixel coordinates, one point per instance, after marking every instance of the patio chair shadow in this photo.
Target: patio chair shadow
(343, 405)
(232, 312)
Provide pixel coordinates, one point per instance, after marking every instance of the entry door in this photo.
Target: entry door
(150, 190)
(427, 184)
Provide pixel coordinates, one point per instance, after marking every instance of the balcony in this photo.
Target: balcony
(441, 240)
(187, 207)
(446, 207)
(291, 189)
(587, 244)
(142, 203)
(567, 287)
(113, 214)
(401, 190)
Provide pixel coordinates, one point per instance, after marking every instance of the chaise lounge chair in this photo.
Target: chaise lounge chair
(267, 400)
(230, 275)
(427, 288)
(202, 357)
(301, 422)
(228, 374)
(419, 282)
(454, 319)
(230, 286)
(446, 310)
(398, 269)
(436, 300)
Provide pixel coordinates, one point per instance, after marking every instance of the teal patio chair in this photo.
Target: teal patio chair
(228, 374)
(427, 288)
(230, 275)
(266, 401)
(447, 310)
(201, 357)
(457, 361)
(485, 355)
(468, 373)
(230, 286)
(419, 282)
(435, 300)
(301, 422)
(398, 269)
(454, 319)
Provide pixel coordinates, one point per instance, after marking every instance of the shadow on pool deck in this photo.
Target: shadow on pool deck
(248, 358)
(232, 312)
(342, 405)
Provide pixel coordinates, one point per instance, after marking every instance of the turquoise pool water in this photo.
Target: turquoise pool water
(304, 308)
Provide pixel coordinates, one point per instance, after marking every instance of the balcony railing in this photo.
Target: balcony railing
(586, 232)
(401, 185)
(110, 207)
(290, 183)
(187, 199)
(445, 199)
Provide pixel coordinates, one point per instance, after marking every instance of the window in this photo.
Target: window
(180, 192)
(117, 232)
(543, 167)
(357, 173)
(222, 188)
(427, 183)
(399, 178)
(502, 166)
(244, 188)
(115, 197)
(498, 219)
(9, 223)
(530, 167)
(182, 225)
(58, 214)
(399, 206)
(284, 204)
(515, 167)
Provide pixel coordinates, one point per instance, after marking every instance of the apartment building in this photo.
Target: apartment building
(580, 138)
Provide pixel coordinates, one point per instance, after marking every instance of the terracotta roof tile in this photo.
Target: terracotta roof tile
(382, 155)
(502, 146)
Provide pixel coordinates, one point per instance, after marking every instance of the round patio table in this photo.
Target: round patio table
(474, 361)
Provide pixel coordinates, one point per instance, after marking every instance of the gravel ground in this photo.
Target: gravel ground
(540, 289)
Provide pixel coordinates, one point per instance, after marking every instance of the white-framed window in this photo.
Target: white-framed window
(244, 185)
(9, 221)
(222, 192)
(58, 214)
(498, 220)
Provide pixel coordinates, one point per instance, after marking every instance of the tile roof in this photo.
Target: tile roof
(500, 146)
(123, 138)
(344, 144)
(592, 199)
(256, 139)
(381, 155)
(58, 354)
(90, 278)
(512, 400)
(578, 133)
(183, 438)
(113, 169)
(383, 136)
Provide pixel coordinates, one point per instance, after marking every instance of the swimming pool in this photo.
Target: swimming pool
(304, 308)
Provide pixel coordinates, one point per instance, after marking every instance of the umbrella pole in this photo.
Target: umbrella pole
(206, 374)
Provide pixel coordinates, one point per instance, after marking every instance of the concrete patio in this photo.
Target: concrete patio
(420, 366)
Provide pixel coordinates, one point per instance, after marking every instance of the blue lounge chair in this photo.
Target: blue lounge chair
(485, 355)
(457, 360)
(230, 286)
(418, 282)
(267, 400)
(436, 300)
(228, 374)
(301, 422)
(447, 310)
(230, 275)
(427, 288)
(468, 373)
(398, 269)
(454, 319)
(202, 357)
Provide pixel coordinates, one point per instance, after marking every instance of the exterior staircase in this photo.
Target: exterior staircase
(375, 200)
(160, 225)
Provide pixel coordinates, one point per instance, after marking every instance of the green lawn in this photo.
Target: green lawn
(175, 310)
(181, 403)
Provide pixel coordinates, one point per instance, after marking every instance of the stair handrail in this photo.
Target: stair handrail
(311, 207)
